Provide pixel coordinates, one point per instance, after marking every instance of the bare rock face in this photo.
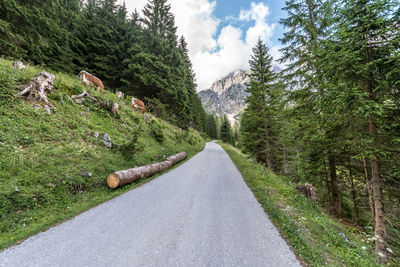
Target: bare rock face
(231, 79)
(226, 96)
(18, 65)
(37, 91)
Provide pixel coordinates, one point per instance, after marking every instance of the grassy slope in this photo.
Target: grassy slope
(311, 233)
(42, 157)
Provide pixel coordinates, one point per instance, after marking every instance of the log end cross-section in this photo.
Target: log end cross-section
(113, 180)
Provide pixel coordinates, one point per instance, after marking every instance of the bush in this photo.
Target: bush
(156, 131)
(133, 145)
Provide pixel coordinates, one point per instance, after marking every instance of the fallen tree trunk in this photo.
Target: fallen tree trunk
(121, 178)
(79, 98)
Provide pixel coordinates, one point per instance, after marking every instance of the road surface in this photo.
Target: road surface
(199, 214)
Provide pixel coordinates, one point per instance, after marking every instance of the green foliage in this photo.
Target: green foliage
(156, 131)
(340, 110)
(210, 126)
(226, 132)
(133, 145)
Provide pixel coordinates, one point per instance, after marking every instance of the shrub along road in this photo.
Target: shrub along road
(199, 214)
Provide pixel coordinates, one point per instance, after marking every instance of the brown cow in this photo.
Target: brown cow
(136, 103)
(88, 78)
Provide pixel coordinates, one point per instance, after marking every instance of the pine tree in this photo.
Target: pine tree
(196, 110)
(318, 129)
(160, 22)
(226, 131)
(258, 125)
(160, 69)
(211, 127)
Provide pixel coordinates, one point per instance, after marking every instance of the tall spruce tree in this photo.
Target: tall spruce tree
(226, 131)
(196, 110)
(317, 128)
(259, 127)
(103, 26)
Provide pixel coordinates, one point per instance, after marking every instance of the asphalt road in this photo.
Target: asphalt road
(199, 214)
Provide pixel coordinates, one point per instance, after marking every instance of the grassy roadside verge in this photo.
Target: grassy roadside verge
(53, 167)
(79, 205)
(315, 237)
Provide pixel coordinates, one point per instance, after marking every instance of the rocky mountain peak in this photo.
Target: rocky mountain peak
(232, 78)
(226, 96)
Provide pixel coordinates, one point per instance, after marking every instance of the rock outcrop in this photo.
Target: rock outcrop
(226, 96)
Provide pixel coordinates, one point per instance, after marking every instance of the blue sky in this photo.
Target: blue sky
(221, 33)
(227, 8)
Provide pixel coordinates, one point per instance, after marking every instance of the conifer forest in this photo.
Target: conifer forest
(332, 117)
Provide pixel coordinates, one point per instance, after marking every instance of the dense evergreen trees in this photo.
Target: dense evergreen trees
(362, 47)
(335, 118)
(141, 56)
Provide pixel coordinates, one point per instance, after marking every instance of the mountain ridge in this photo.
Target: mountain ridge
(226, 96)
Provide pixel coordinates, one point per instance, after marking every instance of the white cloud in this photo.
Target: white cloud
(258, 12)
(261, 29)
(215, 56)
(196, 23)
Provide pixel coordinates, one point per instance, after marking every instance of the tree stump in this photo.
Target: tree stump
(308, 191)
(38, 88)
(120, 178)
(114, 108)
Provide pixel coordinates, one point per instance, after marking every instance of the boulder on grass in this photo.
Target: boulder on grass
(18, 65)
(308, 191)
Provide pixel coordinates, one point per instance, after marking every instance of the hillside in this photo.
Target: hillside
(53, 167)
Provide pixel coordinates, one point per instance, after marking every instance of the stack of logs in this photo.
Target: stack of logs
(120, 178)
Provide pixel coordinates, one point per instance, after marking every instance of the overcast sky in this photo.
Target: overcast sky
(221, 33)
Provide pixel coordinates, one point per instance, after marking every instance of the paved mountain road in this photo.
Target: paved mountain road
(199, 214)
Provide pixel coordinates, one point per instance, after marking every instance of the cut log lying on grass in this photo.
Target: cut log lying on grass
(121, 178)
